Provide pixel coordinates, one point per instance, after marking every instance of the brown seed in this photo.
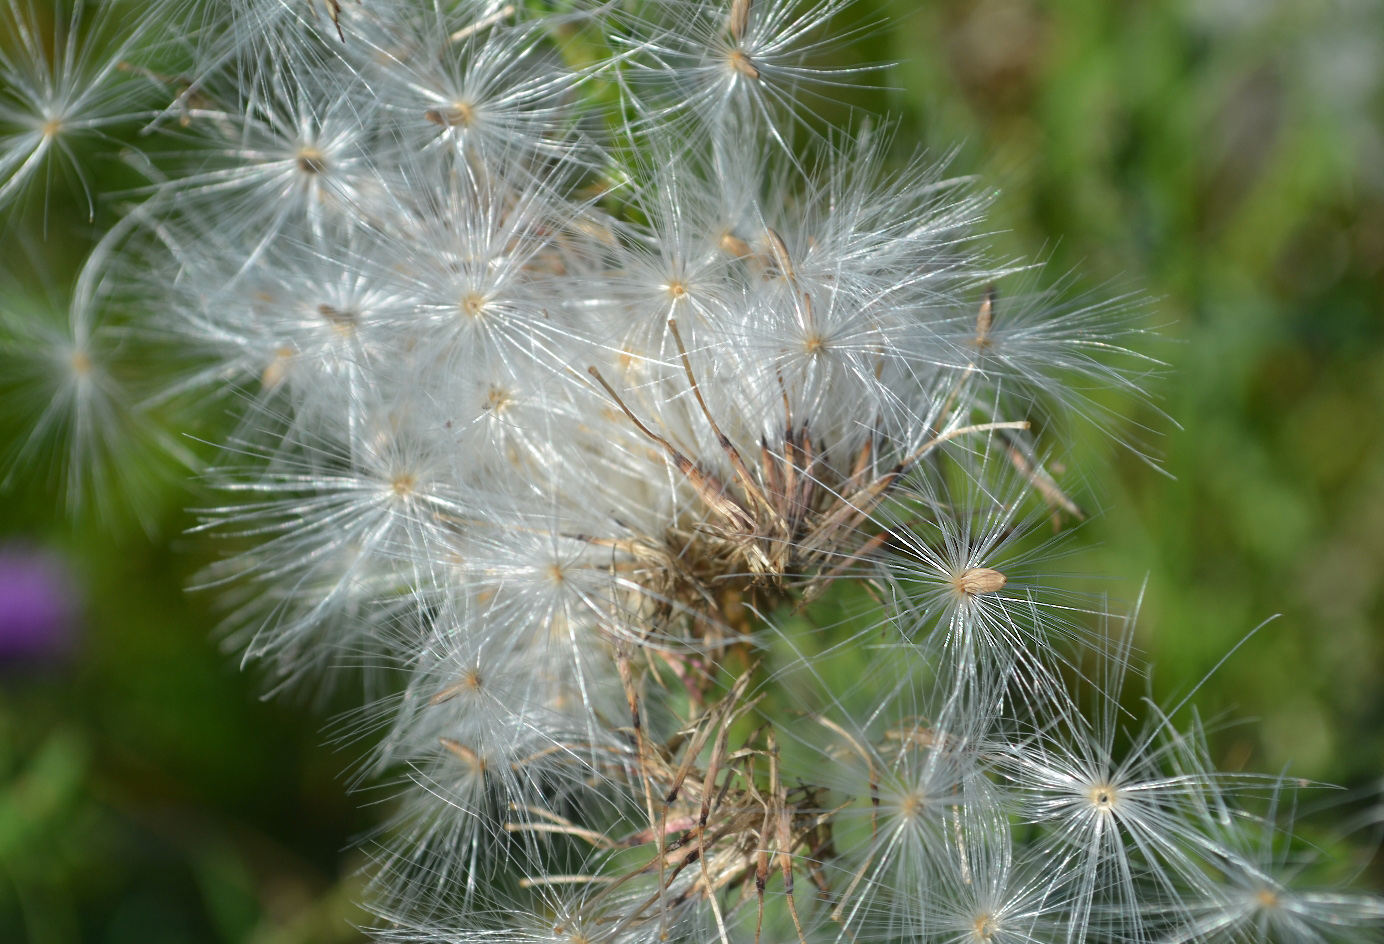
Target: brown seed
(1104, 797)
(985, 319)
(739, 19)
(470, 681)
(473, 304)
(781, 262)
(741, 63)
(458, 115)
(980, 580)
(344, 321)
(735, 245)
(464, 754)
(496, 399)
(312, 161)
(334, 11)
(277, 369)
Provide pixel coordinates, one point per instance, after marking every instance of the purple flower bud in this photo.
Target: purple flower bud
(38, 605)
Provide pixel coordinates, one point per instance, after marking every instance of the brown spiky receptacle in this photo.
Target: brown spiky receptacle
(787, 525)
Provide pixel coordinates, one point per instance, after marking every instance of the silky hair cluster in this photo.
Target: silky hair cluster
(672, 471)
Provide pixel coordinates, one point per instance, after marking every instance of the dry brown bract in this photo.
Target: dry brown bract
(790, 524)
(736, 827)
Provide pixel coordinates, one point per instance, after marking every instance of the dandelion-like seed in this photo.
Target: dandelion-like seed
(680, 475)
(60, 92)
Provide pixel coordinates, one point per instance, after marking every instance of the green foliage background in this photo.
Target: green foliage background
(1224, 157)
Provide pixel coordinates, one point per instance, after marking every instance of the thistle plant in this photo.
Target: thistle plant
(576, 370)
